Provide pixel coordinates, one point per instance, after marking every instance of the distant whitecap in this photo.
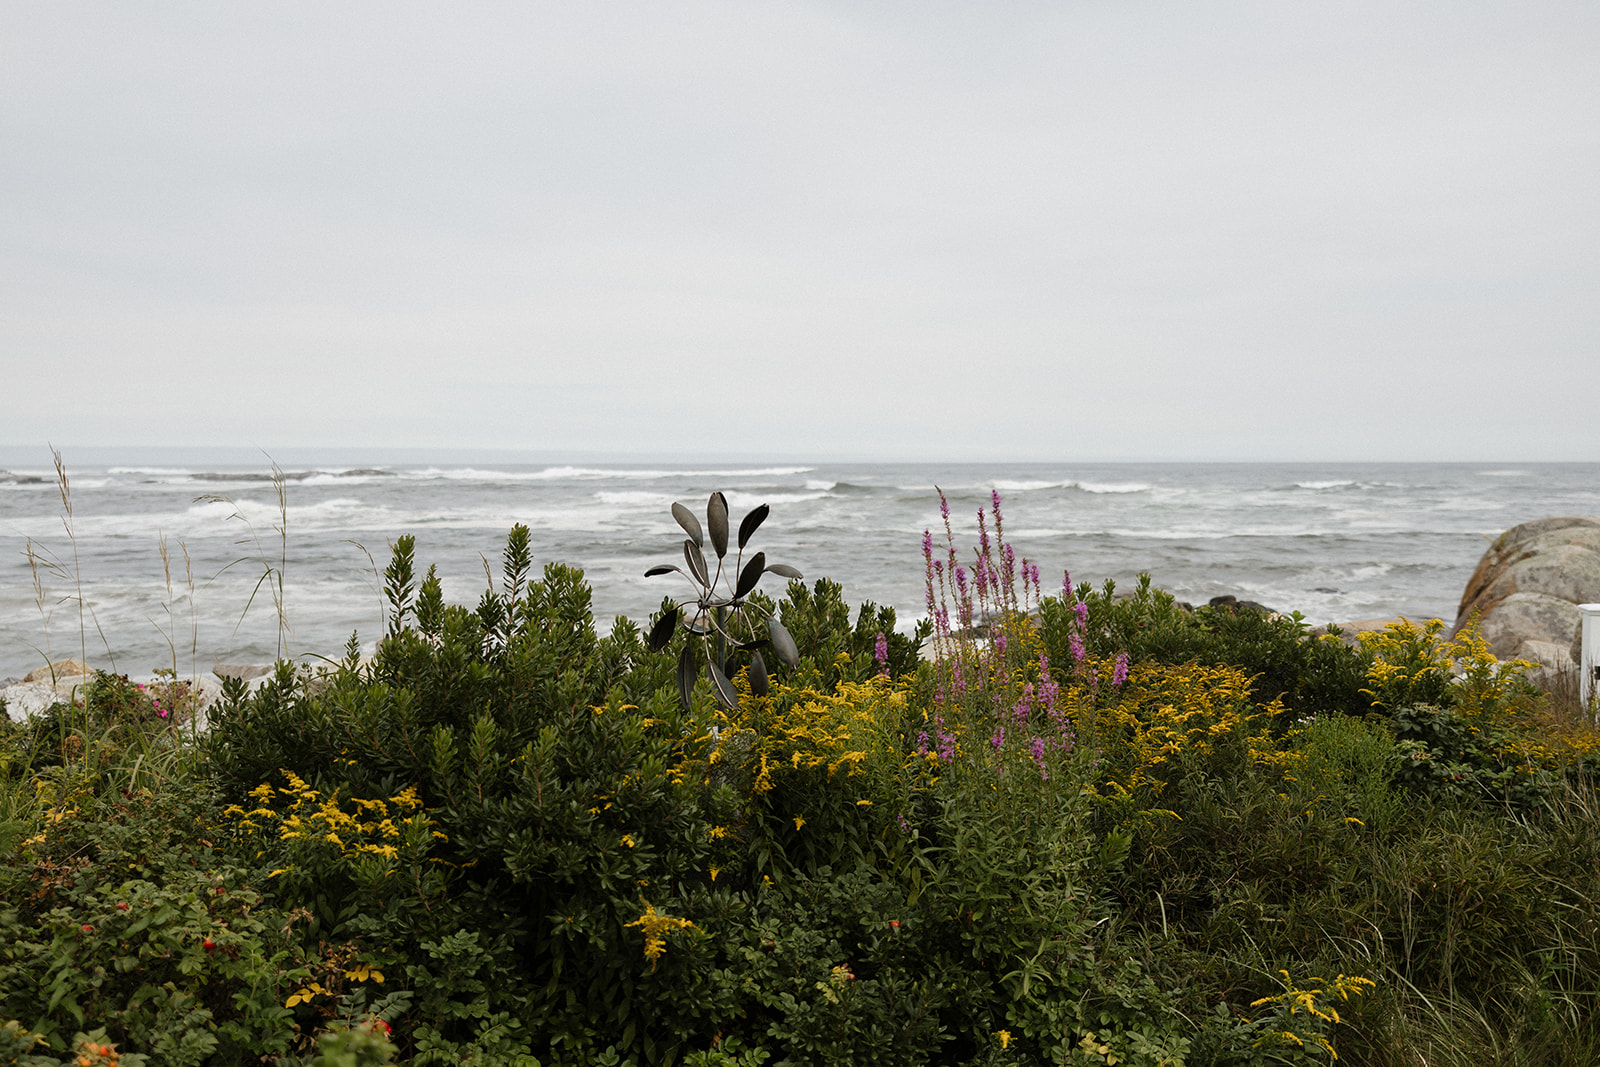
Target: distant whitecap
(1111, 487)
(1024, 487)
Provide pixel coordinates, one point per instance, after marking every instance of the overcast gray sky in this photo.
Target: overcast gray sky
(1074, 230)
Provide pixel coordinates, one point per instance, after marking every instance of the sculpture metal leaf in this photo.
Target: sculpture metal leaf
(690, 524)
(783, 644)
(726, 693)
(750, 575)
(662, 631)
(717, 523)
(720, 609)
(757, 516)
(758, 676)
(697, 562)
(686, 675)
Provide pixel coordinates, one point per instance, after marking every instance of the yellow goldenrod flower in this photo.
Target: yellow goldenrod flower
(656, 926)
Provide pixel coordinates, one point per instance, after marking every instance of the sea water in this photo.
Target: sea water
(1336, 542)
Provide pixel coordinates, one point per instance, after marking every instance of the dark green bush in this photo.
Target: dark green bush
(542, 754)
(1310, 675)
(832, 650)
(189, 971)
(119, 912)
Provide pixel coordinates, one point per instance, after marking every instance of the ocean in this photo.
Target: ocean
(1336, 542)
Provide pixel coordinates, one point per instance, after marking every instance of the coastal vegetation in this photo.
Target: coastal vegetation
(1084, 828)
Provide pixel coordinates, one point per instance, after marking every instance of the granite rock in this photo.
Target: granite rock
(57, 671)
(1525, 591)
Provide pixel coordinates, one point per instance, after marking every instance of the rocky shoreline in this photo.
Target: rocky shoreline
(67, 680)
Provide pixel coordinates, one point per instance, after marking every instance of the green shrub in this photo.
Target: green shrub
(542, 758)
(189, 972)
(834, 651)
(1309, 675)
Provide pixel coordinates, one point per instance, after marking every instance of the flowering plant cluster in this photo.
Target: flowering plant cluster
(169, 701)
(1087, 829)
(310, 836)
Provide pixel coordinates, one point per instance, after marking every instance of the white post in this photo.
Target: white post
(1589, 687)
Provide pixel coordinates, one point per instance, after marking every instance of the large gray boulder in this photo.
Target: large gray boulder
(1527, 588)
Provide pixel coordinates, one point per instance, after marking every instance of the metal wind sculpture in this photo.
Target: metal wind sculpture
(723, 615)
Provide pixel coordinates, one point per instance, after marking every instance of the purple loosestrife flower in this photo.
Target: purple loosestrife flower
(947, 746)
(1048, 692)
(905, 827)
(965, 598)
(922, 742)
(1036, 748)
(1075, 642)
(1081, 610)
(1120, 673)
(999, 738)
(1000, 642)
(880, 652)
